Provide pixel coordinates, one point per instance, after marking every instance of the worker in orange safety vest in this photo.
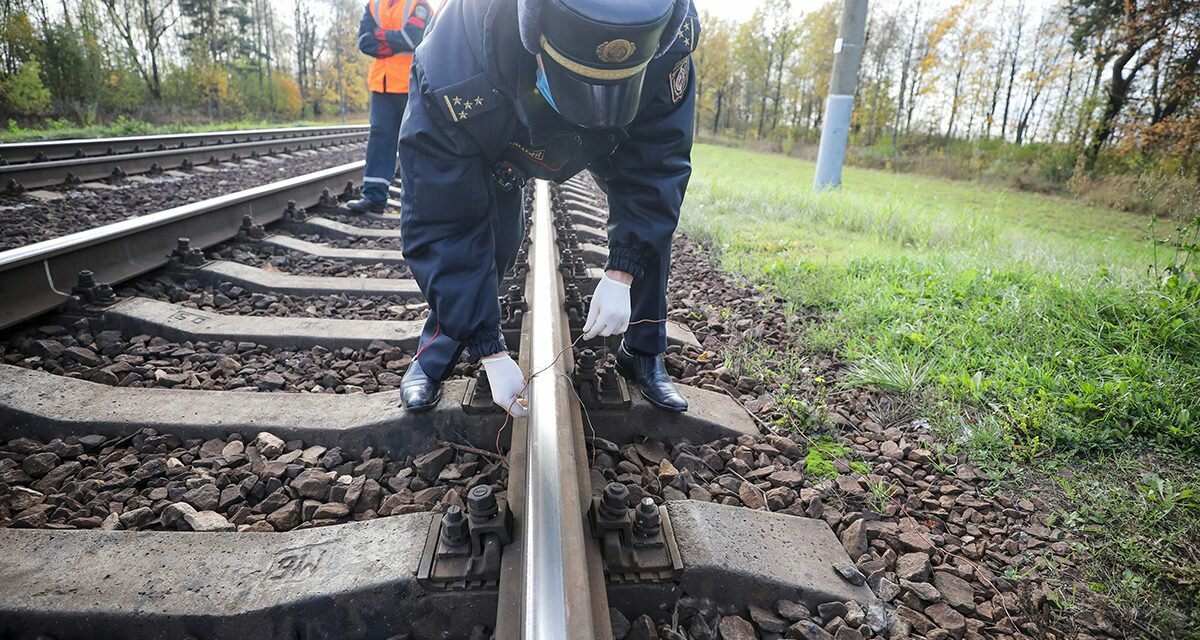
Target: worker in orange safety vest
(390, 31)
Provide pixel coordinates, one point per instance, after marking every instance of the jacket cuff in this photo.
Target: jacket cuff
(486, 342)
(385, 49)
(627, 260)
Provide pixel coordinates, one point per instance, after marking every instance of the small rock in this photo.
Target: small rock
(34, 517)
(736, 628)
(269, 445)
(642, 629)
(947, 618)
(699, 629)
(172, 515)
(793, 611)
(205, 497)
(766, 620)
(286, 517)
(620, 624)
(887, 590)
(958, 592)
(314, 484)
(39, 464)
(22, 498)
(233, 449)
(876, 617)
(112, 522)
(271, 382)
(207, 521)
(854, 539)
(850, 573)
(331, 511)
(913, 567)
(807, 630)
(137, 518)
(922, 590)
(430, 464)
(847, 633)
(830, 610)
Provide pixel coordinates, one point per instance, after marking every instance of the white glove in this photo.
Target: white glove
(508, 384)
(609, 313)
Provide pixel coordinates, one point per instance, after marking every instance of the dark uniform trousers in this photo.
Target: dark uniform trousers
(387, 110)
(470, 109)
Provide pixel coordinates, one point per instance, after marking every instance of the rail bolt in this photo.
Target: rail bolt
(587, 364)
(609, 378)
(482, 384)
(454, 527)
(105, 294)
(481, 503)
(646, 521)
(85, 280)
(615, 502)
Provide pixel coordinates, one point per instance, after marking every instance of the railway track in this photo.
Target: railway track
(196, 509)
(34, 165)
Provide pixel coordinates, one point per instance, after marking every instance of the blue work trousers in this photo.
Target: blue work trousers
(438, 352)
(387, 111)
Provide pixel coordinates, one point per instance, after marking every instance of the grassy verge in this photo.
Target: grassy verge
(60, 129)
(1033, 330)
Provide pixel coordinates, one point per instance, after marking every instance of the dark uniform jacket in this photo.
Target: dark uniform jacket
(474, 106)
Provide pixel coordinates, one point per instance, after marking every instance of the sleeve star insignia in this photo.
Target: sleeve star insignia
(462, 115)
(457, 101)
(478, 101)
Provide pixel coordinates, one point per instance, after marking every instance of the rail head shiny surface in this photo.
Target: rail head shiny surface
(563, 594)
(71, 242)
(545, 598)
(55, 149)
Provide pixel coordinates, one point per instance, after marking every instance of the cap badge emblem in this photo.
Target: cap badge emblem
(615, 51)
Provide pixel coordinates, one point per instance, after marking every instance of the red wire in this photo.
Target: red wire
(436, 332)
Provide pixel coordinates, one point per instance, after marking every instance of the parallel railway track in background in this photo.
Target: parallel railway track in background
(451, 524)
(42, 164)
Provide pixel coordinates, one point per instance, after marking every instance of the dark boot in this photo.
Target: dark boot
(363, 205)
(649, 374)
(418, 391)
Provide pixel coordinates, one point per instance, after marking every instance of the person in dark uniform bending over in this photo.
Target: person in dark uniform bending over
(508, 90)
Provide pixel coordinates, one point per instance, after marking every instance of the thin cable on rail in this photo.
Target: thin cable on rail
(529, 380)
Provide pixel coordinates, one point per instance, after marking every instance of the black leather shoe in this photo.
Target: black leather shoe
(418, 391)
(362, 205)
(649, 374)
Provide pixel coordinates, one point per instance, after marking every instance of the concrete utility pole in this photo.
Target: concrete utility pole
(836, 131)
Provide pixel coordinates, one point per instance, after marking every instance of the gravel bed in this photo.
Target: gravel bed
(25, 219)
(153, 481)
(373, 244)
(89, 352)
(695, 620)
(280, 259)
(950, 553)
(358, 220)
(230, 299)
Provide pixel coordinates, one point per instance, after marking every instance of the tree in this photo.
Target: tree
(714, 68)
(1126, 37)
(142, 25)
(23, 92)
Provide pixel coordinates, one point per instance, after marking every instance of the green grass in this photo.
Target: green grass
(1032, 331)
(1039, 313)
(61, 129)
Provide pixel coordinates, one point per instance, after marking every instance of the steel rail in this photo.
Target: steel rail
(39, 277)
(554, 586)
(69, 148)
(44, 174)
